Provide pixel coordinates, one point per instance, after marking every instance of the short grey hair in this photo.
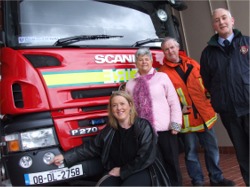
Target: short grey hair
(228, 12)
(169, 39)
(143, 51)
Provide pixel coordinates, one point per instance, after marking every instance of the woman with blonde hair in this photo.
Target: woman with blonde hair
(126, 146)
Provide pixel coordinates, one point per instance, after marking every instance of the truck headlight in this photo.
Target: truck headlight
(30, 140)
(37, 139)
(162, 15)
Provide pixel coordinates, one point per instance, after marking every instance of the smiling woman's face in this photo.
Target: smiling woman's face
(144, 64)
(120, 108)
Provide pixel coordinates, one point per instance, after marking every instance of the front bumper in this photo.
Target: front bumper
(40, 173)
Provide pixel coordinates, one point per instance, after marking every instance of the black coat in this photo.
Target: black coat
(147, 155)
(226, 75)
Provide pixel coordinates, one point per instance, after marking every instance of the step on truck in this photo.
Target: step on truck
(60, 62)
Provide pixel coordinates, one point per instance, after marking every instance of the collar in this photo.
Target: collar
(214, 39)
(221, 40)
(172, 64)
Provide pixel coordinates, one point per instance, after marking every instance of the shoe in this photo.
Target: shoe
(199, 183)
(223, 182)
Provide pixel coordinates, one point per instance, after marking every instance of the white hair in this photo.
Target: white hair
(228, 12)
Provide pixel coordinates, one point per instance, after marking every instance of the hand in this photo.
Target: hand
(115, 172)
(58, 160)
(185, 109)
(174, 132)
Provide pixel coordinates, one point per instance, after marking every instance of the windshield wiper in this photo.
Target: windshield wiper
(73, 39)
(149, 40)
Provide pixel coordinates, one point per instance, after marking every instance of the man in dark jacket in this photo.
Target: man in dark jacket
(225, 72)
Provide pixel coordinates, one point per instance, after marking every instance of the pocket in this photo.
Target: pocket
(241, 73)
(246, 93)
(218, 98)
(245, 74)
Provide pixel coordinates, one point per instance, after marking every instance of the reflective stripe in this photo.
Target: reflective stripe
(201, 83)
(186, 124)
(87, 77)
(211, 121)
(181, 96)
(192, 129)
(183, 102)
(188, 128)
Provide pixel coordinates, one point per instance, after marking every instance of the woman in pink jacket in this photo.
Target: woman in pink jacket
(156, 100)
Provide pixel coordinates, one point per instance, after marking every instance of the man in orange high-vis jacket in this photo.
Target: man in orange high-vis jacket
(198, 114)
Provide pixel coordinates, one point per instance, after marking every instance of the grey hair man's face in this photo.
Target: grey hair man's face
(223, 22)
(171, 49)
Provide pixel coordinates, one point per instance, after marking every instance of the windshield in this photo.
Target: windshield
(42, 23)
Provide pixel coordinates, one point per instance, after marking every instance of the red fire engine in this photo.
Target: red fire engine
(60, 61)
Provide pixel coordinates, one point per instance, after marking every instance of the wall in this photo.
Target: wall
(196, 24)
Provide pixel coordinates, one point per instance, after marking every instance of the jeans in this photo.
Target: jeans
(208, 141)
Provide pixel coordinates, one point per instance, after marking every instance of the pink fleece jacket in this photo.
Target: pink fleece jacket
(166, 104)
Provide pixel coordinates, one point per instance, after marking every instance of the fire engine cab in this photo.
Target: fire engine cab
(60, 61)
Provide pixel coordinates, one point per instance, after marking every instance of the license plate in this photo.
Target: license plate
(53, 175)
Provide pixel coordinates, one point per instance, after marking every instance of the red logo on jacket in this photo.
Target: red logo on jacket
(244, 49)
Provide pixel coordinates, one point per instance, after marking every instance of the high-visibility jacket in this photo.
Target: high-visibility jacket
(191, 92)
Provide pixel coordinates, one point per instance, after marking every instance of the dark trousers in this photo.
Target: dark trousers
(168, 145)
(238, 131)
(141, 178)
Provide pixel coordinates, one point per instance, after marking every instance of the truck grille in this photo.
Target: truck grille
(99, 92)
(17, 95)
(95, 108)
